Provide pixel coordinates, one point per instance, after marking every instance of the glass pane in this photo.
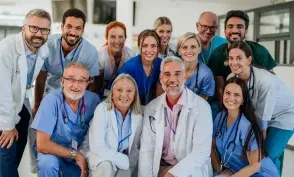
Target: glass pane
(249, 35)
(2, 32)
(273, 22)
(279, 50)
(12, 30)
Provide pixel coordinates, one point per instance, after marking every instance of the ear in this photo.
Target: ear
(23, 28)
(249, 60)
(246, 31)
(197, 25)
(61, 25)
(62, 81)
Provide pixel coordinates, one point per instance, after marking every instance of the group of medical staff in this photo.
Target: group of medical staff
(116, 111)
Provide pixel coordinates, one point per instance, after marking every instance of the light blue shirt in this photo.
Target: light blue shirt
(50, 118)
(85, 53)
(216, 41)
(31, 61)
(205, 82)
(124, 130)
(236, 162)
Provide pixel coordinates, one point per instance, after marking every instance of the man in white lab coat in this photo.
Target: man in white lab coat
(21, 58)
(177, 130)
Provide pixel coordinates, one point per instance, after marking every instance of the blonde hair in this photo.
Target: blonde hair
(162, 21)
(185, 37)
(135, 106)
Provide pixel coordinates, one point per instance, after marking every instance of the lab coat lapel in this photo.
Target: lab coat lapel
(42, 54)
(114, 122)
(159, 124)
(181, 123)
(134, 128)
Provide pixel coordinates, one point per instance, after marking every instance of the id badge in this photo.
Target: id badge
(106, 92)
(29, 93)
(74, 144)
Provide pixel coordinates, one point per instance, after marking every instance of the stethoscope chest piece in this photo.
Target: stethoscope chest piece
(218, 134)
(66, 120)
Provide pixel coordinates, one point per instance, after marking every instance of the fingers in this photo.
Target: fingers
(10, 142)
(7, 140)
(16, 135)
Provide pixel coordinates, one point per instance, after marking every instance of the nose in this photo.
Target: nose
(235, 29)
(39, 34)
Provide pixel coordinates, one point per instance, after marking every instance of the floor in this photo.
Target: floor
(288, 171)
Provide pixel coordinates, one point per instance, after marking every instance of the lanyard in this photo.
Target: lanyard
(196, 85)
(30, 76)
(61, 56)
(169, 123)
(120, 138)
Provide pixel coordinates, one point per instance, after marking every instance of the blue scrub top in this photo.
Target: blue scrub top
(236, 162)
(205, 81)
(85, 53)
(49, 118)
(146, 85)
(216, 41)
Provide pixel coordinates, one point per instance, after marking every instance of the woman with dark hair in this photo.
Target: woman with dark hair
(237, 146)
(272, 100)
(145, 68)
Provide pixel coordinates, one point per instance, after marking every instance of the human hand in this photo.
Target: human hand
(82, 163)
(168, 175)
(34, 111)
(264, 134)
(226, 172)
(7, 138)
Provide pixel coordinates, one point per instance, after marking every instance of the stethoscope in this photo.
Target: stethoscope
(232, 143)
(253, 82)
(167, 51)
(61, 54)
(196, 89)
(81, 117)
(120, 142)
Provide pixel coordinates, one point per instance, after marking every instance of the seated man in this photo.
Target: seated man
(62, 122)
(177, 129)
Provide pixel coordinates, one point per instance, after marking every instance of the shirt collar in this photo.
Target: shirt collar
(182, 100)
(28, 52)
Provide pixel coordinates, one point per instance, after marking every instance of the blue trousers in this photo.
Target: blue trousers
(10, 158)
(275, 143)
(52, 166)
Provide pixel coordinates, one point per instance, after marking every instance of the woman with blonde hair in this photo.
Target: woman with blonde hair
(115, 131)
(199, 77)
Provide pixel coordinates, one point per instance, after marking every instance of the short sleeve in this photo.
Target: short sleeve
(44, 67)
(46, 117)
(252, 142)
(207, 85)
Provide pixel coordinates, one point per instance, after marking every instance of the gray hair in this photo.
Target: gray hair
(77, 65)
(38, 13)
(135, 106)
(169, 59)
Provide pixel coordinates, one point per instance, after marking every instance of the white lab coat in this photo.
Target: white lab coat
(192, 140)
(103, 140)
(13, 78)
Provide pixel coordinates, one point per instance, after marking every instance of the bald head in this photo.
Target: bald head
(207, 26)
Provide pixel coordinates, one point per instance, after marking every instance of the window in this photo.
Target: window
(104, 11)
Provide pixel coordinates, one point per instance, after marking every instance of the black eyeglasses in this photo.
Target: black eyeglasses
(205, 27)
(35, 29)
(73, 80)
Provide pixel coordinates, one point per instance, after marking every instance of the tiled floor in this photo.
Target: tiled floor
(24, 169)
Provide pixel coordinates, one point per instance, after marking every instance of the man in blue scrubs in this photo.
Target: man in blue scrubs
(62, 122)
(65, 48)
(207, 26)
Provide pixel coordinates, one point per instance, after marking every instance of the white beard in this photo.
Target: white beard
(174, 92)
(73, 97)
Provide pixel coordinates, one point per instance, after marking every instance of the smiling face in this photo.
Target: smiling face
(207, 26)
(72, 30)
(232, 97)
(164, 32)
(235, 29)
(116, 39)
(75, 82)
(123, 94)
(238, 61)
(189, 50)
(173, 78)
(149, 49)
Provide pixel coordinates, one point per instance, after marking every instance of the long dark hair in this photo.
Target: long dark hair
(247, 109)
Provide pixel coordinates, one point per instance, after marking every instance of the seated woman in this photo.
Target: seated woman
(237, 145)
(272, 100)
(199, 77)
(115, 131)
(163, 27)
(145, 68)
(112, 56)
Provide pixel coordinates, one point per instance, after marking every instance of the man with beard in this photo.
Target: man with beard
(21, 58)
(236, 26)
(62, 122)
(207, 26)
(65, 48)
(177, 129)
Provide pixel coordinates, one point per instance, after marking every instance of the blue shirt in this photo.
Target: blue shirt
(50, 119)
(146, 85)
(216, 41)
(31, 62)
(124, 130)
(236, 162)
(205, 82)
(85, 53)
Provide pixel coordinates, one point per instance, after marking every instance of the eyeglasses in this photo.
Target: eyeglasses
(205, 27)
(35, 29)
(73, 80)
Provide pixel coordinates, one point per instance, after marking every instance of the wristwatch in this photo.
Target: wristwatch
(73, 154)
